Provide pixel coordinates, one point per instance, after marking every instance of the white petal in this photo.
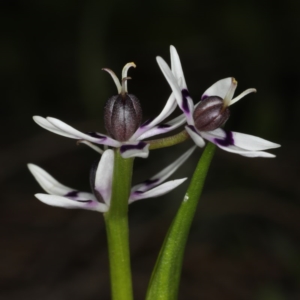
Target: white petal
(242, 140)
(48, 126)
(184, 101)
(164, 174)
(196, 137)
(171, 79)
(104, 175)
(176, 67)
(98, 139)
(80, 196)
(157, 191)
(220, 88)
(251, 142)
(144, 128)
(239, 143)
(247, 153)
(47, 182)
(164, 128)
(53, 187)
(64, 202)
(138, 149)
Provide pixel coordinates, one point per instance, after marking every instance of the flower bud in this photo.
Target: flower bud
(210, 114)
(122, 116)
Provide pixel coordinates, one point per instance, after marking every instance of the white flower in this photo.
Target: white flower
(101, 180)
(133, 145)
(235, 142)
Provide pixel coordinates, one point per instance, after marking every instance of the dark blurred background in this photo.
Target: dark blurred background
(244, 242)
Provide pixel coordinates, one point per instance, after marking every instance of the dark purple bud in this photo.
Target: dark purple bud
(210, 114)
(122, 116)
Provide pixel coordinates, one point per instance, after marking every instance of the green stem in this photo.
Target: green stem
(116, 220)
(169, 141)
(165, 278)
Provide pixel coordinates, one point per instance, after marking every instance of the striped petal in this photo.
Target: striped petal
(65, 202)
(196, 137)
(135, 149)
(182, 96)
(144, 128)
(154, 184)
(61, 128)
(240, 143)
(157, 191)
(61, 195)
(47, 182)
(164, 128)
(43, 122)
(104, 175)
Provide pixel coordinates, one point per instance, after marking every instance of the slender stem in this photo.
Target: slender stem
(165, 278)
(169, 141)
(117, 230)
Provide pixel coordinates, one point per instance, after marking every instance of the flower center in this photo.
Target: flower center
(210, 114)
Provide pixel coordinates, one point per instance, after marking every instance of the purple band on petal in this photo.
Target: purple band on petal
(185, 93)
(146, 122)
(150, 181)
(86, 201)
(163, 126)
(192, 128)
(139, 146)
(96, 135)
(227, 141)
(204, 97)
(72, 194)
(138, 192)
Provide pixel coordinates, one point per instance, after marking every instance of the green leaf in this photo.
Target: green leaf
(165, 278)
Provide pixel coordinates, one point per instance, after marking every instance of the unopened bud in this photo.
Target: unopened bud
(210, 114)
(122, 116)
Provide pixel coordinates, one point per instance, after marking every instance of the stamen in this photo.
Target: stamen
(126, 68)
(243, 94)
(125, 71)
(230, 93)
(124, 86)
(115, 79)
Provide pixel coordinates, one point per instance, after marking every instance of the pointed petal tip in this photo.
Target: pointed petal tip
(275, 145)
(157, 191)
(33, 168)
(159, 59)
(29, 165)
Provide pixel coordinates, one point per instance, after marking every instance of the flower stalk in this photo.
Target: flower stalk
(169, 141)
(116, 220)
(165, 278)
